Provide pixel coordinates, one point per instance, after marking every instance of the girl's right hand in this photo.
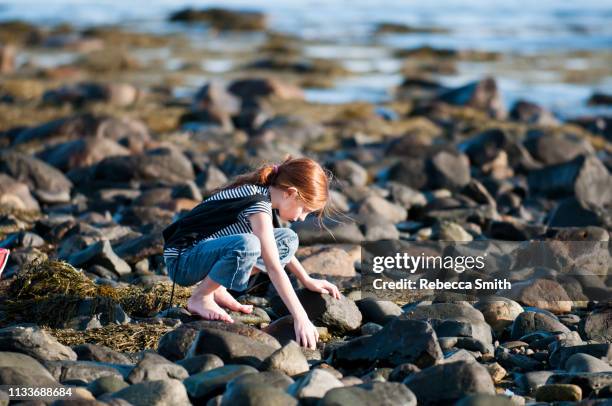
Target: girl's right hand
(306, 333)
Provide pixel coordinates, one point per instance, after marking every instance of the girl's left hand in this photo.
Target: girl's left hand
(322, 286)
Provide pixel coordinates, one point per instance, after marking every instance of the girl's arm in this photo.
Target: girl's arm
(316, 285)
(305, 332)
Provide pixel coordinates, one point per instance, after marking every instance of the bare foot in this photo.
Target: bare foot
(225, 299)
(208, 309)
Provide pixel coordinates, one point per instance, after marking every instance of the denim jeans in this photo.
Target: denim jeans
(228, 260)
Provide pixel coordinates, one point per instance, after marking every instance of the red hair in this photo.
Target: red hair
(304, 174)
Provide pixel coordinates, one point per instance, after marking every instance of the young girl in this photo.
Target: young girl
(234, 233)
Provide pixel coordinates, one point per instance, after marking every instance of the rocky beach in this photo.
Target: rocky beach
(109, 132)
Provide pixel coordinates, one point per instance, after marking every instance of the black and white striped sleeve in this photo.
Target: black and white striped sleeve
(258, 207)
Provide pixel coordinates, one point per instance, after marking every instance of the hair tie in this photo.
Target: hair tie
(275, 169)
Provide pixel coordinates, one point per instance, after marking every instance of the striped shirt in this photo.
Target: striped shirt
(242, 224)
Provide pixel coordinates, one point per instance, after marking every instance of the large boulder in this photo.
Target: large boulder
(482, 95)
(48, 184)
(231, 347)
(83, 152)
(586, 178)
(551, 148)
(15, 194)
(339, 315)
(400, 341)
(158, 165)
(155, 393)
(288, 359)
(329, 261)
(205, 385)
(314, 385)
(545, 294)
(152, 367)
(370, 394)
(310, 232)
(531, 322)
(35, 342)
(447, 383)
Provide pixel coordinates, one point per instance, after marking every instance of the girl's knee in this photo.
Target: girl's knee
(288, 237)
(249, 245)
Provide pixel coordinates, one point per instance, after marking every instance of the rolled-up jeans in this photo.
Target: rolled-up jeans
(228, 260)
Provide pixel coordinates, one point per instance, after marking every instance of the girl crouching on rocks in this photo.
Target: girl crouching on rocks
(234, 233)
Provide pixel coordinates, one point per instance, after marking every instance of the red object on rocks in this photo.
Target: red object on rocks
(4, 254)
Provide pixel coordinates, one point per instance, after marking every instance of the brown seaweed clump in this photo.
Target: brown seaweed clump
(132, 337)
(51, 292)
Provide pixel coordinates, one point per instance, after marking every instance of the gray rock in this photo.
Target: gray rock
(406, 196)
(175, 344)
(509, 360)
(231, 347)
(531, 381)
(142, 247)
(400, 341)
(467, 343)
(598, 325)
(47, 183)
(445, 311)
(350, 172)
(585, 178)
(485, 400)
(288, 359)
(276, 379)
(530, 322)
(581, 362)
(34, 341)
(157, 165)
(80, 153)
(532, 113)
(100, 253)
(562, 354)
(448, 170)
(545, 294)
(371, 394)
(590, 382)
(382, 208)
(453, 381)
(23, 377)
(253, 395)
(97, 352)
(499, 312)
(84, 371)
(200, 363)
(16, 365)
(482, 95)
(314, 385)
(454, 328)
(16, 194)
(338, 315)
(329, 261)
(310, 232)
(370, 328)
(552, 148)
(106, 384)
(155, 393)
(153, 367)
(205, 385)
(378, 311)
(214, 96)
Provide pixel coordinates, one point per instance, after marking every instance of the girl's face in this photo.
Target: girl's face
(291, 207)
